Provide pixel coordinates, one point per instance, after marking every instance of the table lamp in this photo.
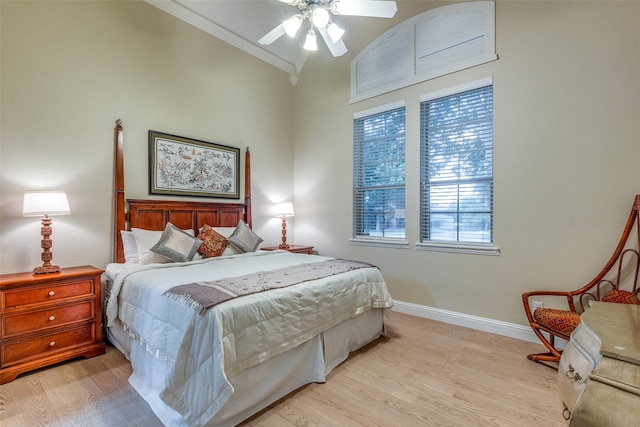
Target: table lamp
(45, 203)
(284, 210)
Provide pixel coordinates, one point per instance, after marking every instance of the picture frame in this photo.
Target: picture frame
(180, 166)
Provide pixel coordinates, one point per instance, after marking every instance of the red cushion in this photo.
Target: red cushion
(621, 297)
(213, 243)
(563, 321)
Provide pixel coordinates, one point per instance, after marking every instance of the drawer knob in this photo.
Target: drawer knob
(572, 374)
(52, 317)
(52, 343)
(51, 293)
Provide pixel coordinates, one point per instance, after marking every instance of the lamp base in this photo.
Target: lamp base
(46, 244)
(284, 245)
(48, 269)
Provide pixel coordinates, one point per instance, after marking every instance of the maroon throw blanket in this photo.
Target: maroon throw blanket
(204, 295)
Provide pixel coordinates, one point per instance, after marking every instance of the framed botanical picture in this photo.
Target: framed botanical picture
(181, 166)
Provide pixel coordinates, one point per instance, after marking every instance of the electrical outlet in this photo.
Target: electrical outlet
(536, 304)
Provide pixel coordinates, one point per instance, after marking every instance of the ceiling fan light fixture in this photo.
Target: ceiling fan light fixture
(310, 43)
(335, 32)
(320, 17)
(316, 16)
(292, 25)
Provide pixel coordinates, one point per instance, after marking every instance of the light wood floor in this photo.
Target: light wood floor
(424, 373)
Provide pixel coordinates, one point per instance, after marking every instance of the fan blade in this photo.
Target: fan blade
(372, 8)
(336, 49)
(272, 35)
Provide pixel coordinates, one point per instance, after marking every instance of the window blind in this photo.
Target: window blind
(379, 174)
(457, 167)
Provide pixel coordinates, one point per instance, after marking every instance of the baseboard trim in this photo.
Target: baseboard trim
(498, 327)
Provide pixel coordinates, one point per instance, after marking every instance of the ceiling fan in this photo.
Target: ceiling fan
(317, 16)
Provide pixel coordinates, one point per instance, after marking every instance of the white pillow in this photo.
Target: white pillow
(129, 246)
(225, 231)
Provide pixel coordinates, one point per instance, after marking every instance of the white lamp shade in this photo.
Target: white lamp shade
(283, 209)
(41, 203)
(335, 32)
(320, 17)
(310, 42)
(292, 25)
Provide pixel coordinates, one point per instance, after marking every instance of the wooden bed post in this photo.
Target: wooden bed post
(636, 207)
(247, 186)
(120, 215)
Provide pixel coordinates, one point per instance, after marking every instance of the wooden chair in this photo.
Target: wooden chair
(617, 282)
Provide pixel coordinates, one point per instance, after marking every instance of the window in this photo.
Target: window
(456, 167)
(379, 174)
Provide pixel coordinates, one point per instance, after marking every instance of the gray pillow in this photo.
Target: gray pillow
(244, 239)
(176, 245)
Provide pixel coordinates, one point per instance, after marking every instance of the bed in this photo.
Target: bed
(199, 360)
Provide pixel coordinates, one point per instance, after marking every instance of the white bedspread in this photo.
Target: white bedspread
(230, 337)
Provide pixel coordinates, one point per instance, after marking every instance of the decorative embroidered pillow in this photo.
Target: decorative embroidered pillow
(227, 232)
(231, 250)
(244, 238)
(213, 243)
(176, 245)
(145, 240)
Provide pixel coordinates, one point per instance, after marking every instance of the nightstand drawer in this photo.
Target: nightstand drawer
(35, 348)
(46, 292)
(49, 318)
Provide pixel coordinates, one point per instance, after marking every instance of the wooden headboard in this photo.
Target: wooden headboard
(153, 214)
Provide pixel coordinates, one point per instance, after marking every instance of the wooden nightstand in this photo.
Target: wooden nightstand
(48, 318)
(299, 249)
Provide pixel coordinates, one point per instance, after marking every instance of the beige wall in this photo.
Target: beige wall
(566, 150)
(567, 154)
(70, 69)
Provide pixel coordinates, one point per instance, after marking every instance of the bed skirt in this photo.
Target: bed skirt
(257, 387)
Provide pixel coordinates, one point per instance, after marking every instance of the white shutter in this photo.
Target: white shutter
(429, 45)
(385, 63)
(448, 41)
